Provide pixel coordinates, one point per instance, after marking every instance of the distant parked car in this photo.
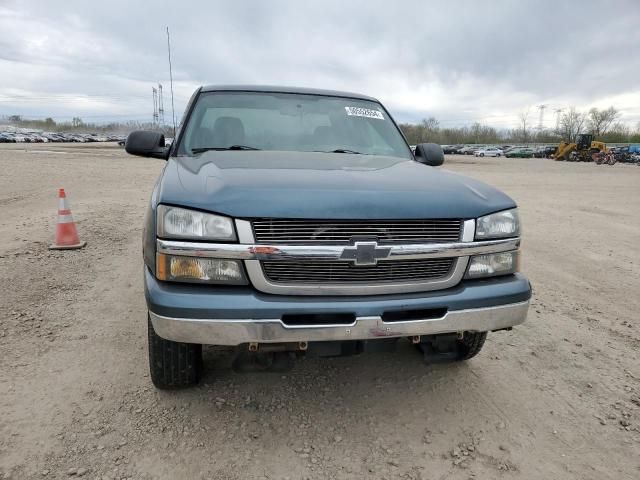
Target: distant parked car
(538, 152)
(544, 152)
(489, 152)
(452, 149)
(514, 147)
(634, 148)
(468, 150)
(520, 153)
(23, 135)
(449, 149)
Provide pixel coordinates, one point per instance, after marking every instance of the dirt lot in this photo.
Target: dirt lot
(559, 397)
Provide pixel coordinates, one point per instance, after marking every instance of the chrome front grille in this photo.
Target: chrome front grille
(322, 272)
(342, 232)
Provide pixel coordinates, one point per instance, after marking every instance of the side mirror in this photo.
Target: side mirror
(147, 144)
(429, 154)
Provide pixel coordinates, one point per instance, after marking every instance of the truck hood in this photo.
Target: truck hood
(316, 185)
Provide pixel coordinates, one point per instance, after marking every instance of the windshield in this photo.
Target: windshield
(294, 122)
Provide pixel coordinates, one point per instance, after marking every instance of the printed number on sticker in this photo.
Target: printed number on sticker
(364, 112)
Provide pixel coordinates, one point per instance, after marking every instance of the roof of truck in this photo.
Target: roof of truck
(282, 89)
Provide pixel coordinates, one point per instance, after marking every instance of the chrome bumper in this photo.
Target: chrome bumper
(236, 332)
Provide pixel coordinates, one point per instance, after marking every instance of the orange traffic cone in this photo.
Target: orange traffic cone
(66, 233)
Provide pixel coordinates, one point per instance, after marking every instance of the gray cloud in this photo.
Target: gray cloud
(459, 60)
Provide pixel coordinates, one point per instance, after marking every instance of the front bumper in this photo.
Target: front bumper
(233, 316)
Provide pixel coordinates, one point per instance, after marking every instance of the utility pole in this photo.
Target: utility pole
(155, 106)
(160, 106)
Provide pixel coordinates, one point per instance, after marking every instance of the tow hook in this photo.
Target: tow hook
(253, 347)
(302, 346)
(415, 339)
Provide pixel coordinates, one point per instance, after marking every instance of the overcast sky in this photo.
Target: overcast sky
(460, 61)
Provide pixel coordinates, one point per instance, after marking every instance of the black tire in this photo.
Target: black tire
(447, 348)
(482, 154)
(173, 364)
(471, 344)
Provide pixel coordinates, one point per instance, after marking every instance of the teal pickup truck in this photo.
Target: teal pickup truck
(291, 221)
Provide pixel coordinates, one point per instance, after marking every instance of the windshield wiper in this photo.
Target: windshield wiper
(342, 150)
(231, 147)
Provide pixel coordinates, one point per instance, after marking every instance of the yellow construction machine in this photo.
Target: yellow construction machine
(582, 150)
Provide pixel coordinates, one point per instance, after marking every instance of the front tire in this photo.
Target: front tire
(471, 344)
(172, 364)
(447, 348)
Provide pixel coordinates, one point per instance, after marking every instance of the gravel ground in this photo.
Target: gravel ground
(558, 397)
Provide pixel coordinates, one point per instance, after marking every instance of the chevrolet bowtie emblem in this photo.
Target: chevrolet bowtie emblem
(365, 253)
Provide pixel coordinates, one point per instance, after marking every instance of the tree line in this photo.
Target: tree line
(604, 124)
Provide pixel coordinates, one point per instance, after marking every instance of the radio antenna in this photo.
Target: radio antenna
(173, 112)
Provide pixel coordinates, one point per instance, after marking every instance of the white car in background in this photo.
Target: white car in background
(488, 152)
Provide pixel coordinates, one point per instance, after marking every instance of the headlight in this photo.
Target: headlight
(498, 225)
(177, 268)
(175, 222)
(493, 264)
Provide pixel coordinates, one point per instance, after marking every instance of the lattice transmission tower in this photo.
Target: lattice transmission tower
(160, 106)
(155, 105)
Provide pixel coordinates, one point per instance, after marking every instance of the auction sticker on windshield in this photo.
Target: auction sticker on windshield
(364, 112)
